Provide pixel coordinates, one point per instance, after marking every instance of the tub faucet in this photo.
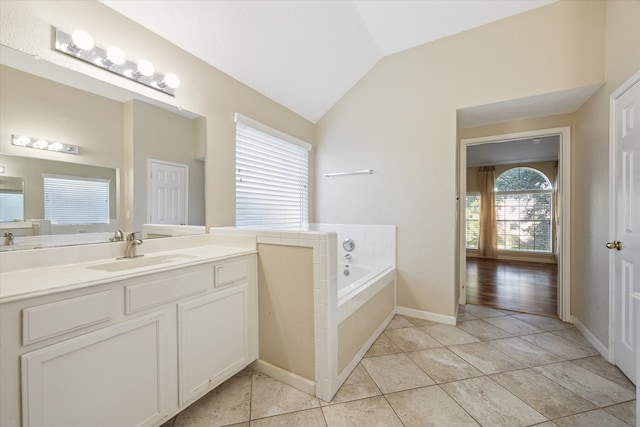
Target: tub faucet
(8, 239)
(346, 256)
(117, 237)
(132, 244)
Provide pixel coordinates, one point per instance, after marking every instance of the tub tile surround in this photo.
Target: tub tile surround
(375, 246)
(441, 386)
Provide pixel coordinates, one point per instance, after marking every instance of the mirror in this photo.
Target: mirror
(11, 198)
(119, 136)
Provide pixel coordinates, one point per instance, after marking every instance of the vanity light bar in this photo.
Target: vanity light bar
(80, 45)
(43, 144)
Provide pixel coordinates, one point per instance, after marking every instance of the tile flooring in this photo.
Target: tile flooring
(495, 368)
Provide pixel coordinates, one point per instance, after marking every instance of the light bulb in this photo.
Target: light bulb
(146, 68)
(171, 80)
(82, 40)
(56, 146)
(21, 141)
(116, 56)
(41, 143)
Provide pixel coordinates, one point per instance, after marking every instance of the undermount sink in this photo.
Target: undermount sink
(139, 262)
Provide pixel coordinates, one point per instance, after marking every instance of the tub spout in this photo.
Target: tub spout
(346, 256)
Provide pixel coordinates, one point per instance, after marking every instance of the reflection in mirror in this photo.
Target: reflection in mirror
(57, 198)
(119, 132)
(11, 198)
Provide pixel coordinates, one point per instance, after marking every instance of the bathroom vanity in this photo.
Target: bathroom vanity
(130, 342)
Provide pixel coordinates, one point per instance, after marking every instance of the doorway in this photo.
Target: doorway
(168, 185)
(481, 269)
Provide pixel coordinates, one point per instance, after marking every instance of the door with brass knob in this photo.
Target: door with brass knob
(614, 245)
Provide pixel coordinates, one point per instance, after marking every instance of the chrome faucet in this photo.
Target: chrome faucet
(8, 239)
(132, 245)
(346, 256)
(117, 237)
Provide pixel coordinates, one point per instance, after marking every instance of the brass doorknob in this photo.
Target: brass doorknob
(614, 245)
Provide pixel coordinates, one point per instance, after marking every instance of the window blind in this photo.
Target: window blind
(524, 221)
(271, 178)
(76, 200)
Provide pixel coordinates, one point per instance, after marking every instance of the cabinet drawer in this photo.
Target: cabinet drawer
(57, 318)
(162, 289)
(231, 272)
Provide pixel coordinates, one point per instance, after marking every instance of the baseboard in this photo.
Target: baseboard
(595, 342)
(426, 315)
(289, 378)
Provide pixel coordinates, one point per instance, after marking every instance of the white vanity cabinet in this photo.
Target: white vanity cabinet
(214, 333)
(113, 376)
(133, 352)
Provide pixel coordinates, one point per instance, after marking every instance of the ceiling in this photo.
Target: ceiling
(528, 150)
(306, 55)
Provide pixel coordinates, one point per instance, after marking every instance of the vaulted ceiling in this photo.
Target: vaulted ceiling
(306, 55)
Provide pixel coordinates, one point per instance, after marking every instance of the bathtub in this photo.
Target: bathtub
(326, 319)
(353, 279)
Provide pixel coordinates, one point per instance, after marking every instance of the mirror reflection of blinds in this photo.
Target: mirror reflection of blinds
(76, 200)
(271, 181)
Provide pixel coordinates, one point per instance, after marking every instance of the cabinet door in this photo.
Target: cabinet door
(90, 380)
(213, 340)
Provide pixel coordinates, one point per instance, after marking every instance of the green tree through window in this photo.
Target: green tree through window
(524, 210)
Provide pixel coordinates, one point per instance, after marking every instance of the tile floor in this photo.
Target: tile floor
(495, 368)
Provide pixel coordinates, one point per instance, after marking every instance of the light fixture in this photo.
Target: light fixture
(80, 45)
(115, 56)
(81, 40)
(170, 80)
(145, 68)
(43, 144)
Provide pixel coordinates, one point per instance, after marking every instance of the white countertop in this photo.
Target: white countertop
(30, 282)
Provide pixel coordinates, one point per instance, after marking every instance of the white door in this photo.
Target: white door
(626, 244)
(168, 192)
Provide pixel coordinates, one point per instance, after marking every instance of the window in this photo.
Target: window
(76, 200)
(472, 220)
(272, 171)
(523, 210)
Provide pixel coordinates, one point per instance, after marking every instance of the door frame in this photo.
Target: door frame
(186, 185)
(564, 206)
(612, 204)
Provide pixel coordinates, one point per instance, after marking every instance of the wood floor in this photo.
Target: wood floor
(513, 285)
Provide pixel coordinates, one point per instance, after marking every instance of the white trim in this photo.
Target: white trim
(564, 204)
(239, 118)
(427, 315)
(595, 342)
(289, 378)
(612, 205)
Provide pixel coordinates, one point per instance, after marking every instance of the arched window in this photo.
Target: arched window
(524, 210)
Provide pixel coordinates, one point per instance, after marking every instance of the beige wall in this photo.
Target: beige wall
(590, 259)
(285, 308)
(26, 26)
(400, 121)
(356, 329)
